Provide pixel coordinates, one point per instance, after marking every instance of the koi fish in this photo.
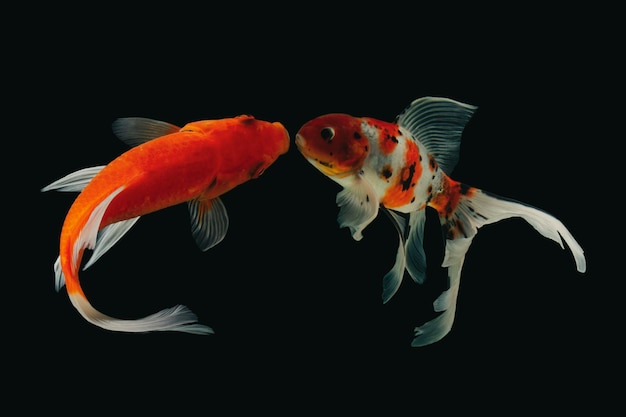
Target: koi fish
(167, 165)
(401, 168)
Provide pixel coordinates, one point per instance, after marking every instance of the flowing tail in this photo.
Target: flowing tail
(178, 318)
(475, 209)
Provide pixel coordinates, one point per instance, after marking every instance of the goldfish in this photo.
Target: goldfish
(166, 165)
(403, 167)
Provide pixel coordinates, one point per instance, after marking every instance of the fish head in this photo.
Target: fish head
(334, 144)
(269, 140)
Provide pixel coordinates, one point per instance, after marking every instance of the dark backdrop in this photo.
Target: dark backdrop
(295, 302)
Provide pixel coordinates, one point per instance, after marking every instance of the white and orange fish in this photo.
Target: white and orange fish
(402, 168)
(167, 165)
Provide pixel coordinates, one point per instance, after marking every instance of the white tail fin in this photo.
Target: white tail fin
(483, 208)
(178, 318)
(474, 210)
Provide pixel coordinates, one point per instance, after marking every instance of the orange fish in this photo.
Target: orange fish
(401, 168)
(167, 165)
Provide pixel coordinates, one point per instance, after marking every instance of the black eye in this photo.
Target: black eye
(327, 134)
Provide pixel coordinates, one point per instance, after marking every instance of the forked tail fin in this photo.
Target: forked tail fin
(475, 209)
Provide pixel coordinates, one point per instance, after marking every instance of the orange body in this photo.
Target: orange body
(200, 162)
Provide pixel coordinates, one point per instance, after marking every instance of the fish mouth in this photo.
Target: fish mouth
(300, 141)
(327, 168)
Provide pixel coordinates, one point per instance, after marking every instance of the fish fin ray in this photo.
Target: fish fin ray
(178, 318)
(74, 182)
(59, 278)
(438, 123)
(358, 206)
(134, 131)
(415, 255)
(209, 221)
(89, 233)
(474, 210)
(481, 208)
(108, 236)
(437, 328)
(393, 278)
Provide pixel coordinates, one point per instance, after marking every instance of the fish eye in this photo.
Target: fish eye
(327, 134)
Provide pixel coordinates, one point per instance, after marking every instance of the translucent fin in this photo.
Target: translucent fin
(410, 255)
(209, 222)
(475, 209)
(108, 236)
(134, 131)
(74, 182)
(59, 278)
(88, 235)
(438, 123)
(415, 255)
(178, 318)
(480, 208)
(358, 205)
(437, 328)
(393, 278)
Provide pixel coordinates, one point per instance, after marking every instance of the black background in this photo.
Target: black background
(294, 301)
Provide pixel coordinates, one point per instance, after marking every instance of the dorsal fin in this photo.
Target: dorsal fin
(438, 124)
(134, 131)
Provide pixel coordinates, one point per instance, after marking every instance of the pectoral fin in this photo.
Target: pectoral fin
(209, 221)
(358, 205)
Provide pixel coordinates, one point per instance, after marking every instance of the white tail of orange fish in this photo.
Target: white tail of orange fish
(178, 318)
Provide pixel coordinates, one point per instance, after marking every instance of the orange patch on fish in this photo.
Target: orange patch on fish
(446, 201)
(388, 136)
(401, 192)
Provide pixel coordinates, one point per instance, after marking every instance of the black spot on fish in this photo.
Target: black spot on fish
(432, 162)
(413, 199)
(367, 198)
(406, 183)
(326, 164)
(366, 148)
(391, 138)
(477, 214)
(386, 172)
(357, 135)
